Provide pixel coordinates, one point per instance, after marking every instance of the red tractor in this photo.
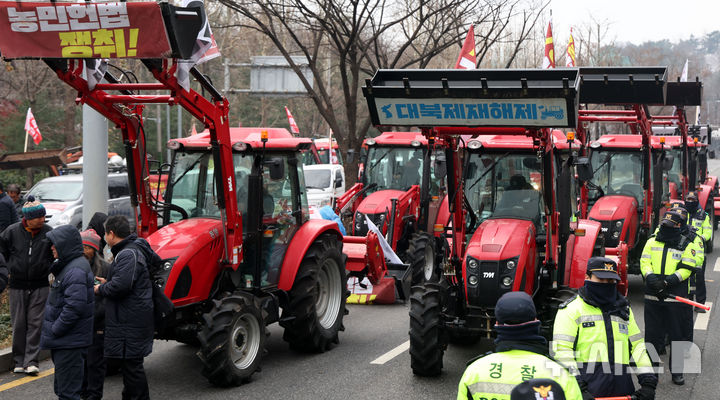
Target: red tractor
(389, 197)
(239, 252)
(510, 239)
(625, 194)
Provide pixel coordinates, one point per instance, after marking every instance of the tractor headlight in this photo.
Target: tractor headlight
(618, 224)
(359, 218)
(616, 234)
(472, 264)
(473, 280)
(507, 281)
(511, 264)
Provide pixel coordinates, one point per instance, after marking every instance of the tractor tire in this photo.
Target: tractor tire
(232, 341)
(427, 346)
(316, 308)
(421, 257)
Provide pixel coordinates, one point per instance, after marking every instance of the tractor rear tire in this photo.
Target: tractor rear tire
(232, 341)
(316, 308)
(427, 346)
(422, 255)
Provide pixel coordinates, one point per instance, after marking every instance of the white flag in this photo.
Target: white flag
(684, 74)
(96, 69)
(387, 250)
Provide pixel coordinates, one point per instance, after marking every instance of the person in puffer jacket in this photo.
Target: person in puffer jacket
(68, 323)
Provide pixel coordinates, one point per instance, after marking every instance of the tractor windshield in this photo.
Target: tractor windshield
(193, 186)
(618, 172)
(393, 167)
(504, 185)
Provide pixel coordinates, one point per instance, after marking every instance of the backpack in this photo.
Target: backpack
(162, 306)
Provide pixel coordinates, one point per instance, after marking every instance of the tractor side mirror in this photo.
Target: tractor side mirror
(440, 170)
(276, 166)
(584, 169)
(350, 156)
(667, 162)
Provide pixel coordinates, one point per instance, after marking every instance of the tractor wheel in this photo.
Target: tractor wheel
(233, 339)
(421, 257)
(426, 337)
(316, 308)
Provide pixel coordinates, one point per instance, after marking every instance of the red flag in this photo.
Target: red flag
(333, 155)
(570, 55)
(31, 127)
(467, 59)
(293, 126)
(549, 59)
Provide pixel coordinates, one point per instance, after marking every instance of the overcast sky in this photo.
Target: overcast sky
(638, 21)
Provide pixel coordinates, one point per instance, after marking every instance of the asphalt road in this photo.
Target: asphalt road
(371, 362)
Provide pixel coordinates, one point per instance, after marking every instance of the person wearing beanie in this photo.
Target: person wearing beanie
(691, 237)
(95, 365)
(67, 327)
(8, 214)
(589, 328)
(28, 255)
(666, 263)
(521, 354)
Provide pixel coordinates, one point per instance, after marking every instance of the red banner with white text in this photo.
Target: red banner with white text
(82, 30)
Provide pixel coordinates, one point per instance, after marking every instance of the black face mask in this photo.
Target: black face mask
(692, 206)
(601, 293)
(668, 235)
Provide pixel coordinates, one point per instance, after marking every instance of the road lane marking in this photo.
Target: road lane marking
(701, 322)
(391, 354)
(25, 380)
(717, 265)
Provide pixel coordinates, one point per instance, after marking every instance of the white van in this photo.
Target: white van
(324, 183)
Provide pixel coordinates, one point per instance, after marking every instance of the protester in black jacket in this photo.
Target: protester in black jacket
(67, 329)
(128, 309)
(28, 256)
(8, 214)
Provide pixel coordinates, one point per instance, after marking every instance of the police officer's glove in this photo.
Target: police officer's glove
(654, 283)
(672, 281)
(644, 393)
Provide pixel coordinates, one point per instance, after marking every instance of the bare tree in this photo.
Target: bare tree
(356, 37)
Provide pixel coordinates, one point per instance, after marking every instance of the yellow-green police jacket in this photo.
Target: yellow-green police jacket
(651, 263)
(703, 226)
(494, 376)
(582, 342)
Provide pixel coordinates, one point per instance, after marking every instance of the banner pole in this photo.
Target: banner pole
(26, 141)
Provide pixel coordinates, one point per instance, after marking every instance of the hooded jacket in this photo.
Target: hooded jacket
(69, 310)
(129, 321)
(28, 256)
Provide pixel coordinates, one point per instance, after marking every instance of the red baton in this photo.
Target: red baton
(692, 303)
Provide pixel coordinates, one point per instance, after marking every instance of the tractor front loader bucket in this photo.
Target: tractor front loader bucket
(368, 278)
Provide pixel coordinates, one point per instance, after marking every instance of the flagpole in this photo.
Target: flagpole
(26, 140)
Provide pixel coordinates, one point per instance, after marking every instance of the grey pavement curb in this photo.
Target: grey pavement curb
(6, 361)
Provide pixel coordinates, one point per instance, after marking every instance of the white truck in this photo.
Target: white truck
(324, 183)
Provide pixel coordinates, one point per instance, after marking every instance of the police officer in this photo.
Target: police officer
(590, 327)
(666, 264)
(700, 221)
(691, 236)
(521, 354)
